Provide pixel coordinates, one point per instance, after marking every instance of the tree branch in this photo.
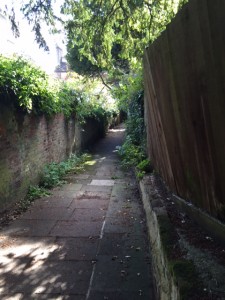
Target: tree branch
(110, 14)
(103, 81)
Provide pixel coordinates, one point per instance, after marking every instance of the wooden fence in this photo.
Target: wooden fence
(184, 71)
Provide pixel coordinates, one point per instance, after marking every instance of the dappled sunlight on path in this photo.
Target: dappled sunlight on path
(86, 241)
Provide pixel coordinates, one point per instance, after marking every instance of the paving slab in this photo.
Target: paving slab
(101, 195)
(76, 229)
(12, 297)
(121, 295)
(124, 226)
(75, 249)
(52, 277)
(114, 275)
(23, 227)
(97, 204)
(42, 297)
(53, 297)
(96, 188)
(81, 176)
(86, 241)
(35, 248)
(52, 213)
(71, 187)
(88, 214)
(57, 192)
(102, 182)
(121, 207)
(119, 246)
(53, 201)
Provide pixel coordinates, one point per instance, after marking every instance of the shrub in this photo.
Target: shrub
(53, 173)
(27, 85)
(131, 154)
(32, 90)
(145, 165)
(133, 149)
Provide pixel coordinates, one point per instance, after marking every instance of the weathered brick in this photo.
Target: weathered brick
(28, 142)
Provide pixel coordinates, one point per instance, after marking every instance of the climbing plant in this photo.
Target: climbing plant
(29, 87)
(32, 90)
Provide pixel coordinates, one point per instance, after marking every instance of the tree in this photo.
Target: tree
(95, 27)
(81, 64)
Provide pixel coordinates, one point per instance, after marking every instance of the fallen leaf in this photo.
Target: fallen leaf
(93, 261)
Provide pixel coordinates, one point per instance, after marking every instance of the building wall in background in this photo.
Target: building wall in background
(26, 46)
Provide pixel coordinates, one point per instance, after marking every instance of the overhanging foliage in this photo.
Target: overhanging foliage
(32, 90)
(96, 26)
(103, 33)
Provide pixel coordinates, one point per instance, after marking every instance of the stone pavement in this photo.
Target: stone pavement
(86, 241)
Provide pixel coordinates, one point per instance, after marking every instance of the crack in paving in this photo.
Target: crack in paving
(94, 267)
(87, 241)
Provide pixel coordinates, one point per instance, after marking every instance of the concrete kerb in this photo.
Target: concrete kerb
(165, 281)
(180, 270)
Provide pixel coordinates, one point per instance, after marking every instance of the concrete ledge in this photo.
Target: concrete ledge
(156, 217)
(176, 275)
(210, 224)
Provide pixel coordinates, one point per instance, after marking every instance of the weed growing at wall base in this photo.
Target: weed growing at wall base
(131, 154)
(34, 192)
(53, 175)
(143, 167)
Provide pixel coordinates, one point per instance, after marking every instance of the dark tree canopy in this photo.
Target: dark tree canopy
(103, 34)
(81, 64)
(96, 26)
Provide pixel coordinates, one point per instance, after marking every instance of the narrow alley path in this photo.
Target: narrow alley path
(86, 241)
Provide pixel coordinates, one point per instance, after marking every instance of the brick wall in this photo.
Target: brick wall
(28, 142)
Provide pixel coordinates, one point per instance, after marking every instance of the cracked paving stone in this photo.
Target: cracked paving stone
(87, 241)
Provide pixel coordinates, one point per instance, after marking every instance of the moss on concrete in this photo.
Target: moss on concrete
(186, 277)
(183, 271)
(167, 233)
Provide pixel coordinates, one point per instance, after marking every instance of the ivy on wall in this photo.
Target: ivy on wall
(33, 91)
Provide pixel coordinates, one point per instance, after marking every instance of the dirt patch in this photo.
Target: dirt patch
(7, 216)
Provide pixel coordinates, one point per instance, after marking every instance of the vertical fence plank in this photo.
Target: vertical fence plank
(184, 74)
